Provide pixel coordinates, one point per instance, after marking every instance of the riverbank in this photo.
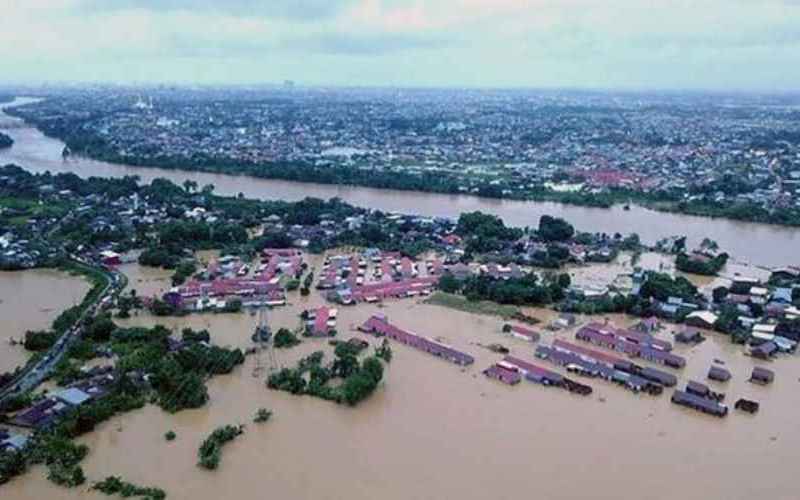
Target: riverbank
(433, 183)
(776, 245)
(491, 180)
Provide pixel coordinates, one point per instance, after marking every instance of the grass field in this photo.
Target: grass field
(477, 307)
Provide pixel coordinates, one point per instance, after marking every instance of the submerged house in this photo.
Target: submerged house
(689, 336)
(765, 350)
(705, 405)
(522, 333)
(504, 372)
(621, 340)
(547, 377)
(321, 322)
(719, 374)
(762, 376)
(379, 326)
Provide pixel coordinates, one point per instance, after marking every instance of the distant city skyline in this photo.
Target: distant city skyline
(618, 44)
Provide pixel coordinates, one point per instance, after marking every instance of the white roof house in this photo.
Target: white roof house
(73, 396)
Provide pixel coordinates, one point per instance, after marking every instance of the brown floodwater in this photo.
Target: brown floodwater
(31, 300)
(436, 431)
(764, 244)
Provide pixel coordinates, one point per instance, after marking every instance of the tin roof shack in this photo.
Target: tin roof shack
(73, 396)
(689, 336)
(705, 405)
(657, 376)
(747, 405)
(504, 372)
(521, 332)
(636, 337)
(12, 442)
(703, 391)
(702, 319)
(719, 374)
(762, 376)
(764, 351)
(547, 377)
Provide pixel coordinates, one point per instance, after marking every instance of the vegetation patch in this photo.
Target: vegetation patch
(707, 267)
(357, 379)
(284, 338)
(210, 452)
(461, 303)
(114, 485)
(262, 415)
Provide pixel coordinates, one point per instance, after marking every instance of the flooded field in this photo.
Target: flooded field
(437, 431)
(617, 272)
(30, 300)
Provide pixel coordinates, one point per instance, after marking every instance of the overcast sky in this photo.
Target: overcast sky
(669, 44)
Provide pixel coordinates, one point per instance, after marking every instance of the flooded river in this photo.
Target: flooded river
(31, 300)
(436, 431)
(760, 243)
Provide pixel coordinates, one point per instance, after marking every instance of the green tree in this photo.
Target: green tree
(555, 229)
(449, 284)
(284, 338)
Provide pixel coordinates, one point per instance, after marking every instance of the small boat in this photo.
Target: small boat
(626, 207)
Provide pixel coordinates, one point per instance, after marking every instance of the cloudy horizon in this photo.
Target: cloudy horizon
(617, 44)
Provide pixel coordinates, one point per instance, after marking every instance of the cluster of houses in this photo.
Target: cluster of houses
(374, 276)
(17, 252)
(47, 411)
(512, 369)
(596, 364)
(229, 279)
(320, 322)
(622, 371)
(633, 343)
(761, 309)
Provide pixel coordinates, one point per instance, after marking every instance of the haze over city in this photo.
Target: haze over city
(629, 44)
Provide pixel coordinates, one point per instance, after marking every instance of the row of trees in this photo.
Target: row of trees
(527, 290)
(708, 267)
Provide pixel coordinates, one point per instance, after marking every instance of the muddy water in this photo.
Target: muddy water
(30, 300)
(617, 272)
(760, 243)
(147, 281)
(436, 431)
